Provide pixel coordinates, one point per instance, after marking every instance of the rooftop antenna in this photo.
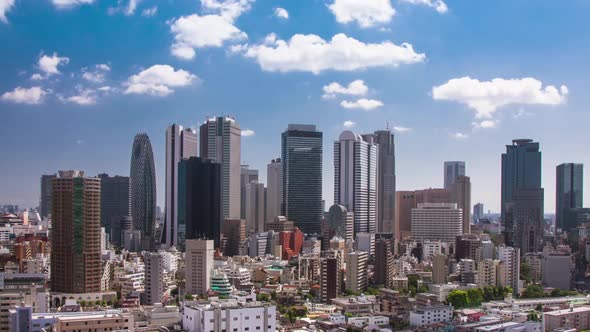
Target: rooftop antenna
(386, 125)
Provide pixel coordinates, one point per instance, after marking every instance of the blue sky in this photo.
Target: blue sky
(79, 78)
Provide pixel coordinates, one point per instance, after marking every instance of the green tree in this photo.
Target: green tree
(458, 298)
(525, 271)
(533, 291)
(188, 297)
(475, 296)
(263, 297)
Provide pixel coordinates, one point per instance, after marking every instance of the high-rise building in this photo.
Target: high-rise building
(521, 169)
(331, 276)
(75, 233)
(436, 221)
(355, 179)
(569, 192)
(45, 203)
(233, 235)
(143, 187)
(487, 273)
(115, 201)
(181, 143)
(199, 263)
(301, 156)
(384, 271)
(477, 211)
(356, 271)
(408, 200)
(453, 169)
(221, 141)
(338, 222)
(461, 194)
(247, 176)
(468, 246)
(510, 275)
(274, 180)
(154, 277)
(525, 216)
(439, 269)
(255, 207)
(385, 181)
(200, 200)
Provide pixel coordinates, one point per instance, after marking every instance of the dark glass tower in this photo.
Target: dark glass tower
(569, 192)
(143, 187)
(200, 185)
(45, 203)
(115, 202)
(301, 153)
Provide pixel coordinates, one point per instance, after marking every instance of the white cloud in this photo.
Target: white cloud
(5, 6)
(400, 129)
(354, 88)
(349, 124)
(459, 135)
(485, 97)
(485, 124)
(103, 66)
(248, 132)
(313, 54)
(228, 9)
(363, 103)
(70, 3)
(37, 77)
(149, 12)
(158, 80)
(97, 75)
(196, 31)
(282, 13)
(49, 64)
(31, 96)
(366, 13)
(439, 5)
(84, 98)
(131, 7)
(80, 141)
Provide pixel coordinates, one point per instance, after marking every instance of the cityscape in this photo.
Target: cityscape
(328, 215)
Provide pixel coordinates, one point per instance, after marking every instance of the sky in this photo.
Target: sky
(455, 80)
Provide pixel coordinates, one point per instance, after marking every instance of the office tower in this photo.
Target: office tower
(355, 179)
(154, 277)
(384, 271)
(45, 203)
(143, 187)
(468, 246)
(433, 195)
(404, 203)
(200, 189)
(233, 236)
(199, 263)
(274, 180)
(255, 208)
(461, 194)
(510, 258)
(356, 271)
(521, 169)
(477, 211)
(301, 156)
(221, 141)
(569, 192)
(453, 169)
(436, 221)
(75, 233)
(385, 180)
(125, 224)
(115, 201)
(439, 269)
(525, 214)
(247, 176)
(331, 282)
(181, 143)
(338, 222)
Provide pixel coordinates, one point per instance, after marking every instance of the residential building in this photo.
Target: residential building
(331, 276)
(24, 290)
(452, 170)
(363, 305)
(424, 316)
(384, 271)
(468, 246)
(154, 278)
(557, 269)
(439, 269)
(572, 319)
(229, 315)
(436, 221)
(142, 181)
(487, 273)
(510, 258)
(569, 192)
(198, 266)
(356, 271)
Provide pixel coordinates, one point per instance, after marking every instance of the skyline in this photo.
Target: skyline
(264, 101)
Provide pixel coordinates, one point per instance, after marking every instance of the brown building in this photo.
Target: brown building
(279, 224)
(75, 233)
(332, 276)
(233, 234)
(408, 200)
(461, 194)
(384, 271)
(468, 246)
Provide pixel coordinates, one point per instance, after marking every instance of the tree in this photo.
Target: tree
(525, 271)
(263, 297)
(188, 297)
(458, 298)
(475, 296)
(83, 303)
(533, 291)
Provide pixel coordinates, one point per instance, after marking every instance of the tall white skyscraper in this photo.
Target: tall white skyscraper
(198, 265)
(453, 169)
(181, 143)
(355, 179)
(274, 185)
(221, 141)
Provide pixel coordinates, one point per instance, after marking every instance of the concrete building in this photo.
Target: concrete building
(557, 269)
(525, 217)
(229, 315)
(356, 271)
(569, 192)
(198, 266)
(331, 276)
(487, 273)
(22, 289)
(510, 258)
(452, 170)
(247, 176)
(111, 320)
(280, 224)
(436, 221)
(535, 263)
(338, 222)
(233, 236)
(408, 200)
(468, 246)
(461, 194)
(142, 179)
(573, 318)
(384, 271)
(363, 305)
(439, 269)
(45, 202)
(478, 212)
(255, 207)
(154, 278)
(433, 314)
(365, 242)
(274, 192)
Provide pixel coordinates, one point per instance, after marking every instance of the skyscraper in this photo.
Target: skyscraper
(255, 207)
(234, 233)
(355, 179)
(274, 180)
(453, 169)
(569, 192)
(385, 181)
(338, 222)
(301, 155)
(154, 277)
(521, 169)
(199, 263)
(524, 217)
(181, 143)
(510, 274)
(143, 187)
(461, 194)
(75, 233)
(201, 211)
(247, 176)
(477, 211)
(221, 141)
(45, 203)
(115, 202)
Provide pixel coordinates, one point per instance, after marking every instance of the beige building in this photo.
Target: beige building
(439, 269)
(488, 272)
(573, 318)
(356, 271)
(104, 321)
(461, 194)
(198, 265)
(436, 221)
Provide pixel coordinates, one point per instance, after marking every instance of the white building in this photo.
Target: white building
(437, 221)
(356, 271)
(510, 258)
(431, 248)
(274, 184)
(154, 278)
(198, 266)
(229, 316)
(423, 316)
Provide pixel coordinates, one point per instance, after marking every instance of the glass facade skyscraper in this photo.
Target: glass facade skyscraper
(569, 193)
(301, 154)
(45, 203)
(115, 202)
(453, 169)
(142, 180)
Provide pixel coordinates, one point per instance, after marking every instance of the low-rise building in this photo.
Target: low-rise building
(364, 304)
(432, 314)
(573, 318)
(229, 316)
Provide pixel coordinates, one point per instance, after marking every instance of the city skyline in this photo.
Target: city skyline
(264, 110)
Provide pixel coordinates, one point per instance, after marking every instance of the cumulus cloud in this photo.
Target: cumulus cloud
(439, 5)
(313, 54)
(228, 9)
(248, 132)
(349, 124)
(366, 13)
(282, 13)
(49, 64)
(97, 75)
(31, 96)
(158, 80)
(5, 6)
(400, 129)
(354, 88)
(363, 103)
(459, 135)
(485, 97)
(485, 124)
(195, 31)
(84, 98)
(149, 12)
(70, 3)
